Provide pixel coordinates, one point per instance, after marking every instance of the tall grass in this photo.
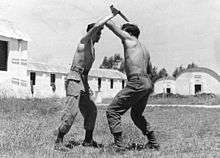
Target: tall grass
(27, 129)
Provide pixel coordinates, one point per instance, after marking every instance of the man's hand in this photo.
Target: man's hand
(114, 10)
(91, 93)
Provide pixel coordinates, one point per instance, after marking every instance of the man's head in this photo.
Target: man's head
(132, 29)
(95, 37)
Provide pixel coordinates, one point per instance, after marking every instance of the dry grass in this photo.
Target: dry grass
(201, 99)
(27, 130)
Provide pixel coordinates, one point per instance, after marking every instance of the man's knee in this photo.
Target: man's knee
(66, 122)
(111, 112)
(93, 114)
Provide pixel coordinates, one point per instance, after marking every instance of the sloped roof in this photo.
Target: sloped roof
(41, 67)
(166, 78)
(202, 69)
(8, 29)
(102, 73)
(107, 73)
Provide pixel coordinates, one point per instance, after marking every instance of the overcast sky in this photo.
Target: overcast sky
(175, 32)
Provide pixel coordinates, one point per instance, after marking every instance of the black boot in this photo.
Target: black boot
(59, 143)
(152, 143)
(89, 142)
(118, 142)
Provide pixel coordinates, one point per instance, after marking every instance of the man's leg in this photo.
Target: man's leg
(120, 104)
(89, 111)
(140, 121)
(71, 110)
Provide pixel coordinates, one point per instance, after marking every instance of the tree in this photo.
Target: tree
(154, 75)
(104, 63)
(111, 62)
(192, 65)
(178, 70)
(122, 66)
(162, 73)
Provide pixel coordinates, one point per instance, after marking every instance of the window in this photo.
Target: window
(3, 55)
(52, 82)
(52, 78)
(111, 83)
(123, 84)
(198, 88)
(32, 78)
(99, 84)
(168, 90)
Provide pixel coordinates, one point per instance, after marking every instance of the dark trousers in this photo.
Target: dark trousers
(134, 96)
(76, 101)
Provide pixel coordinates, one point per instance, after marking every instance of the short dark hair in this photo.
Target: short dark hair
(131, 29)
(90, 26)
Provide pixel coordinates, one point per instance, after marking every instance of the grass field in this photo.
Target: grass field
(27, 129)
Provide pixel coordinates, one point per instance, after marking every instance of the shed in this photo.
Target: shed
(13, 60)
(198, 80)
(165, 85)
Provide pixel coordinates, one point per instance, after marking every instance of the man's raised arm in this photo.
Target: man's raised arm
(117, 31)
(97, 27)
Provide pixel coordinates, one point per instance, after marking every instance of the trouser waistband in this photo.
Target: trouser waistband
(137, 74)
(77, 69)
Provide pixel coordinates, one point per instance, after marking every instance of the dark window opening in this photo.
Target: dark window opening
(198, 88)
(52, 82)
(168, 90)
(52, 78)
(99, 84)
(123, 84)
(111, 83)
(3, 55)
(33, 78)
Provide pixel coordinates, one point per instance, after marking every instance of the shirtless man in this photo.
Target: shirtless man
(77, 87)
(139, 86)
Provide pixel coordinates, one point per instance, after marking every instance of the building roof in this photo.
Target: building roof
(107, 73)
(41, 67)
(202, 69)
(8, 29)
(166, 78)
(102, 73)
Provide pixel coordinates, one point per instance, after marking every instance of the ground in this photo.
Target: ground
(28, 129)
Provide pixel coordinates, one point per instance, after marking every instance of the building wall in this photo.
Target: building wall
(43, 88)
(185, 83)
(161, 86)
(106, 91)
(14, 81)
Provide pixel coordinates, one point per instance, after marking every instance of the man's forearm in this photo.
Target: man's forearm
(102, 21)
(97, 27)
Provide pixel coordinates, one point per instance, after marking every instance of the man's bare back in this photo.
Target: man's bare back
(136, 57)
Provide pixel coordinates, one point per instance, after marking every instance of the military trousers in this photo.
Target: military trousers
(135, 96)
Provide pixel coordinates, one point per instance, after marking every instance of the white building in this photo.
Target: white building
(13, 60)
(165, 85)
(105, 83)
(44, 77)
(198, 80)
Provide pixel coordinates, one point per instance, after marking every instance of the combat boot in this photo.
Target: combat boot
(92, 143)
(59, 143)
(118, 144)
(152, 143)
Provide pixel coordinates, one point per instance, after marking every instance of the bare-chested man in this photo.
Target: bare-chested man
(139, 86)
(77, 87)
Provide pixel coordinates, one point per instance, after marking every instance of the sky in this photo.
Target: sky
(175, 32)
